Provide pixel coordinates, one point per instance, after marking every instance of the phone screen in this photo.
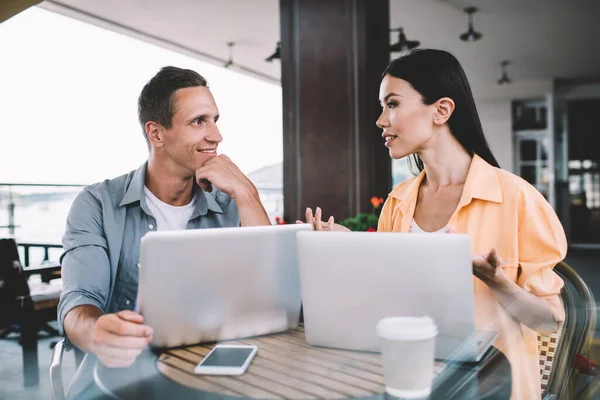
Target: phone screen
(227, 357)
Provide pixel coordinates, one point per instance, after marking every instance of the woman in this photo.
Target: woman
(429, 114)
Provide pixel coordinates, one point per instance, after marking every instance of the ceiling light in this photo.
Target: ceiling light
(276, 54)
(504, 79)
(229, 62)
(403, 44)
(471, 35)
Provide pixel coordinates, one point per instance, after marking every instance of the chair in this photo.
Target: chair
(56, 380)
(559, 378)
(24, 309)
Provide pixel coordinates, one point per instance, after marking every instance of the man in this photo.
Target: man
(172, 190)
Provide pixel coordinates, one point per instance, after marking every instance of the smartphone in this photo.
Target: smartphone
(226, 359)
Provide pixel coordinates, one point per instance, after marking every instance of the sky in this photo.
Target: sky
(68, 102)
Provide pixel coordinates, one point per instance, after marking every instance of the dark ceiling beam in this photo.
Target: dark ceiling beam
(10, 8)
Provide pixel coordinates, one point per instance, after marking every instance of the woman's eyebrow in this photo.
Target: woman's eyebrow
(390, 95)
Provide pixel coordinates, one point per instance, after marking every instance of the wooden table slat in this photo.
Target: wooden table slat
(329, 378)
(269, 370)
(307, 356)
(372, 358)
(44, 304)
(297, 383)
(249, 379)
(309, 359)
(343, 373)
(319, 354)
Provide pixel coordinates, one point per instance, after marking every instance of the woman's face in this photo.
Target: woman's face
(406, 121)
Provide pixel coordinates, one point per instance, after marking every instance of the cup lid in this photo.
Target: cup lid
(407, 328)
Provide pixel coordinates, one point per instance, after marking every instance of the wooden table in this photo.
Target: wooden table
(286, 367)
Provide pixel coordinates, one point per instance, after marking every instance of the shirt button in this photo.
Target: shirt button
(138, 265)
(128, 302)
(150, 226)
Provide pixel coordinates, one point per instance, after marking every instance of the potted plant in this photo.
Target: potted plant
(366, 222)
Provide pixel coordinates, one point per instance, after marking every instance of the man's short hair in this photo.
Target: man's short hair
(156, 101)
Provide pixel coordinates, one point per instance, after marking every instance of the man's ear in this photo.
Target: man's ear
(154, 133)
(444, 109)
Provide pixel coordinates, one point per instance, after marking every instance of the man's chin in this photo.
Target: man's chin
(202, 159)
(200, 163)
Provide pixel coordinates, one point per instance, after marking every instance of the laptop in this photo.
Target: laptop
(351, 280)
(209, 285)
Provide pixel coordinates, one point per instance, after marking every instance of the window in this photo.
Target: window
(69, 101)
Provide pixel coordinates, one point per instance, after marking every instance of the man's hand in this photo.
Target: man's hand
(488, 268)
(319, 225)
(117, 339)
(222, 173)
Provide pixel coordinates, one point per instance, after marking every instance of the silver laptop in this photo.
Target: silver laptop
(218, 284)
(351, 280)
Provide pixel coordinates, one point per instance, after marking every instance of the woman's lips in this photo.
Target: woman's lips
(389, 140)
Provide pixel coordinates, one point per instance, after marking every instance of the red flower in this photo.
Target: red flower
(371, 230)
(376, 201)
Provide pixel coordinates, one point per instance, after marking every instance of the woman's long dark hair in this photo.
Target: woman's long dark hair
(436, 74)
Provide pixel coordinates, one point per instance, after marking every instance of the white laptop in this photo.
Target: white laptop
(208, 285)
(350, 280)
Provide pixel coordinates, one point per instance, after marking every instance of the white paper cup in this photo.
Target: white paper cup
(408, 351)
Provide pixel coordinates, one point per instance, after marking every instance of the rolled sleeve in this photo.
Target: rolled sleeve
(542, 245)
(85, 262)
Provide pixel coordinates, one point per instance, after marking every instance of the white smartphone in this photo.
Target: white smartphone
(225, 359)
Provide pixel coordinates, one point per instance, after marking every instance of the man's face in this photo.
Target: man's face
(193, 137)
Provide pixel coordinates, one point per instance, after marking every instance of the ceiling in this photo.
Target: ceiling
(543, 39)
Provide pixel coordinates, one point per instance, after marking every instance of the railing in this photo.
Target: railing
(47, 269)
(11, 199)
(36, 213)
(46, 206)
(46, 247)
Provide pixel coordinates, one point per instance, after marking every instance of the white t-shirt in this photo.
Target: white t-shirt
(168, 217)
(415, 228)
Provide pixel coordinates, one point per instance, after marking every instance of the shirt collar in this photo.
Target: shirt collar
(407, 194)
(135, 193)
(135, 189)
(205, 202)
(482, 183)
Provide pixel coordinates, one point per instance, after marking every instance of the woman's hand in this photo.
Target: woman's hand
(522, 305)
(319, 225)
(488, 268)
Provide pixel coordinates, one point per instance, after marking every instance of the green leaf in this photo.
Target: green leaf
(361, 222)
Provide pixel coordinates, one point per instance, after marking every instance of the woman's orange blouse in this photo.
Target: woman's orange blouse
(500, 210)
